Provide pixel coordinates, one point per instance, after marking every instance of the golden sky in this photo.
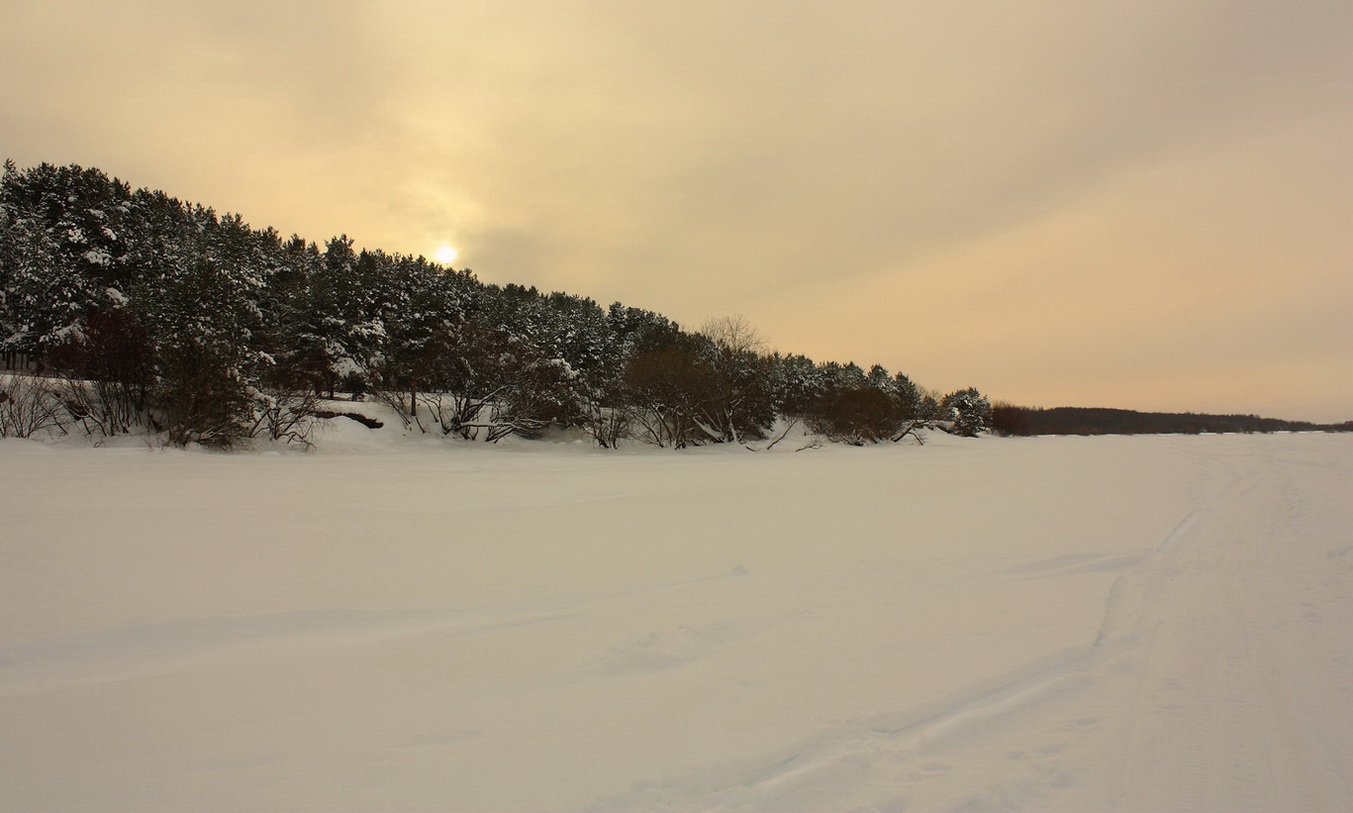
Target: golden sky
(1135, 203)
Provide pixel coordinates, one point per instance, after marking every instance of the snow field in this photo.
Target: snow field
(1151, 623)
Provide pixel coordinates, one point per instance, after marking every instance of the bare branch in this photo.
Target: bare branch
(733, 334)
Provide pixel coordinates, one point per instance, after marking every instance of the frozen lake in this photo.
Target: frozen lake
(1079, 624)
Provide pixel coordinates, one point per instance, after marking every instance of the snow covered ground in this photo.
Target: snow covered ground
(1078, 624)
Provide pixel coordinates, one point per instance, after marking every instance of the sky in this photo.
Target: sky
(1143, 204)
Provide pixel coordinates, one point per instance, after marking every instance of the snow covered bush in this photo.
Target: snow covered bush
(285, 414)
(284, 405)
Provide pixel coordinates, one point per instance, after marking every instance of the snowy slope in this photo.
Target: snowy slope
(1150, 623)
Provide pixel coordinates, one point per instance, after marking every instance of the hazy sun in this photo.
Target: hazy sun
(445, 255)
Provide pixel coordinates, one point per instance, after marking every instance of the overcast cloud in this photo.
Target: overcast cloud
(1142, 204)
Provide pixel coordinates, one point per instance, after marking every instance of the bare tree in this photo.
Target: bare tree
(607, 424)
(285, 407)
(29, 406)
(665, 387)
(105, 373)
(733, 334)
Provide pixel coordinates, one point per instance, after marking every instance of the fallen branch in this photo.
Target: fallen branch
(782, 436)
(369, 423)
(912, 428)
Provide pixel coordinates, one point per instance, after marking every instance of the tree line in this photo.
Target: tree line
(133, 311)
(1017, 420)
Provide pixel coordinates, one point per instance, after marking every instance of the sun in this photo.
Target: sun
(446, 254)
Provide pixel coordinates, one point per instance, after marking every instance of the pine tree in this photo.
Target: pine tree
(197, 324)
(970, 411)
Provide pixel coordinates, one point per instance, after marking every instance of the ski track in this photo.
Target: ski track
(61, 662)
(1218, 677)
(1184, 644)
(36, 665)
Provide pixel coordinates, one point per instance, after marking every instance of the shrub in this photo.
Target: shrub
(857, 416)
(29, 406)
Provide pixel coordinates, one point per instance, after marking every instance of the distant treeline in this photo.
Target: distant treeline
(1016, 420)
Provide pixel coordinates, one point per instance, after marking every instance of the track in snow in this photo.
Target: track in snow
(1230, 646)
